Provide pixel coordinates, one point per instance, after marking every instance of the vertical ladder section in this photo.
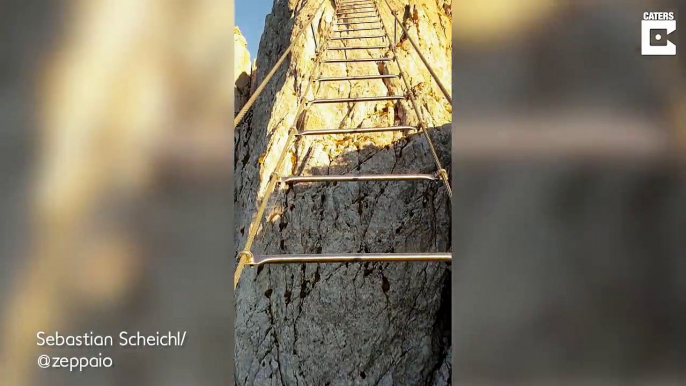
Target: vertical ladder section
(350, 17)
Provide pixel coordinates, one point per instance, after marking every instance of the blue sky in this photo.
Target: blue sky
(250, 16)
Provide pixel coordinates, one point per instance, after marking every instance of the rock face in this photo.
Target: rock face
(242, 70)
(355, 323)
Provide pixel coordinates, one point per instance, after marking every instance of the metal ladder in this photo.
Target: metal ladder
(348, 16)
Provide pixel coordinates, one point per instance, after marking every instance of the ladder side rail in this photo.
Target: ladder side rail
(442, 173)
(245, 255)
(421, 56)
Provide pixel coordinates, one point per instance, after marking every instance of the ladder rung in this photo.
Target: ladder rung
(353, 178)
(358, 22)
(348, 257)
(358, 29)
(359, 37)
(357, 60)
(356, 131)
(348, 11)
(359, 77)
(355, 3)
(361, 15)
(364, 6)
(356, 13)
(358, 17)
(358, 99)
(355, 48)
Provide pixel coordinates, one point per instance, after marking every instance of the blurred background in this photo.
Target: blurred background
(569, 233)
(568, 175)
(116, 192)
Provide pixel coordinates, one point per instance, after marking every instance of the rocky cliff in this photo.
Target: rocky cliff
(355, 323)
(242, 70)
